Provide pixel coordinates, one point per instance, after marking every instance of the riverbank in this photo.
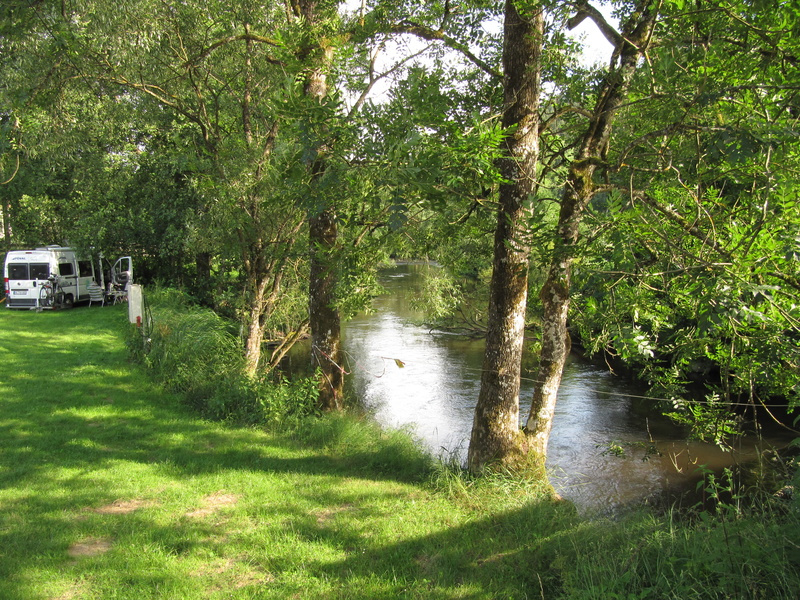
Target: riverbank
(611, 446)
(112, 488)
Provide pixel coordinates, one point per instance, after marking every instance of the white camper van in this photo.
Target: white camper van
(49, 277)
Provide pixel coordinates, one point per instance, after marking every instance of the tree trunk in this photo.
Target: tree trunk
(253, 251)
(200, 287)
(578, 192)
(323, 316)
(264, 281)
(255, 329)
(555, 296)
(496, 438)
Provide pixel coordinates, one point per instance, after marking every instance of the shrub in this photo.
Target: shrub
(263, 400)
(751, 554)
(195, 352)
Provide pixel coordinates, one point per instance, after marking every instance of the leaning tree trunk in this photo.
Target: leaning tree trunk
(264, 284)
(264, 280)
(255, 329)
(496, 438)
(259, 270)
(578, 192)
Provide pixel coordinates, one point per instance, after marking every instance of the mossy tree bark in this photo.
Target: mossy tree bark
(580, 187)
(496, 438)
(324, 319)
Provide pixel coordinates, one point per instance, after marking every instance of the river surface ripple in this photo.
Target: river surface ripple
(428, 382)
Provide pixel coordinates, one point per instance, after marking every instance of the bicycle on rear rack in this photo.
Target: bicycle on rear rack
(51, 295)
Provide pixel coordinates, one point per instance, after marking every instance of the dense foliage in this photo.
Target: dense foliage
(192, 351)
(188, 137)
(691, 275)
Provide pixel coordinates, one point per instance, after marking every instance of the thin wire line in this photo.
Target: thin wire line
(589, 389)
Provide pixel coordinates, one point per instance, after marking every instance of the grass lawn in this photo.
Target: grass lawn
(110, 488)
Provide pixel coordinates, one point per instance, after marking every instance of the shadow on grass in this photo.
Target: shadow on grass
(79, 425)
(71, 399)
(516, 554)
(511, 554)
(96, 460)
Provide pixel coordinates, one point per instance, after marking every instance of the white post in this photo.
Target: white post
(135, 303)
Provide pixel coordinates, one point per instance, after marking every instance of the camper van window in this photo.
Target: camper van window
(40, 271)
(65, 269)
(85, 268)
(18, 272)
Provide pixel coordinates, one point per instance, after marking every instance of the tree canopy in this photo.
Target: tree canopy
(268, 156)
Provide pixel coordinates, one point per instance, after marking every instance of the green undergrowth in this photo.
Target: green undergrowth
(193, 351)
(111, 486)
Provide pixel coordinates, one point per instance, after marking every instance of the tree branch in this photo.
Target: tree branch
(584, 9)
(247, 36)
(427, 33)
(375, 78)
(689, 228)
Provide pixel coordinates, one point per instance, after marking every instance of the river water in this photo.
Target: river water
(428, 381)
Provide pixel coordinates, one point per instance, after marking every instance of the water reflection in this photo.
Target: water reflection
(428, 388)
(429, 382)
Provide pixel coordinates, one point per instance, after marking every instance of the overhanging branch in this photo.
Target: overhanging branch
(428, 33)
(247, 36)
(583, 10)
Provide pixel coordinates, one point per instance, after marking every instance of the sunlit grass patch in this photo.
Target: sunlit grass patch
(112, 488)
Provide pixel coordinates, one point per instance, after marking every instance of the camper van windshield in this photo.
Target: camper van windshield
(18, 272)
(40, 270)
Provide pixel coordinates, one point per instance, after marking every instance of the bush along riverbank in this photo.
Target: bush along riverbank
(112, 485)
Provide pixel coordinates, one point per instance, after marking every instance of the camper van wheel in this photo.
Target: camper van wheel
(68, 301)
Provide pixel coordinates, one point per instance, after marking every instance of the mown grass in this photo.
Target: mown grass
(110, 487)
